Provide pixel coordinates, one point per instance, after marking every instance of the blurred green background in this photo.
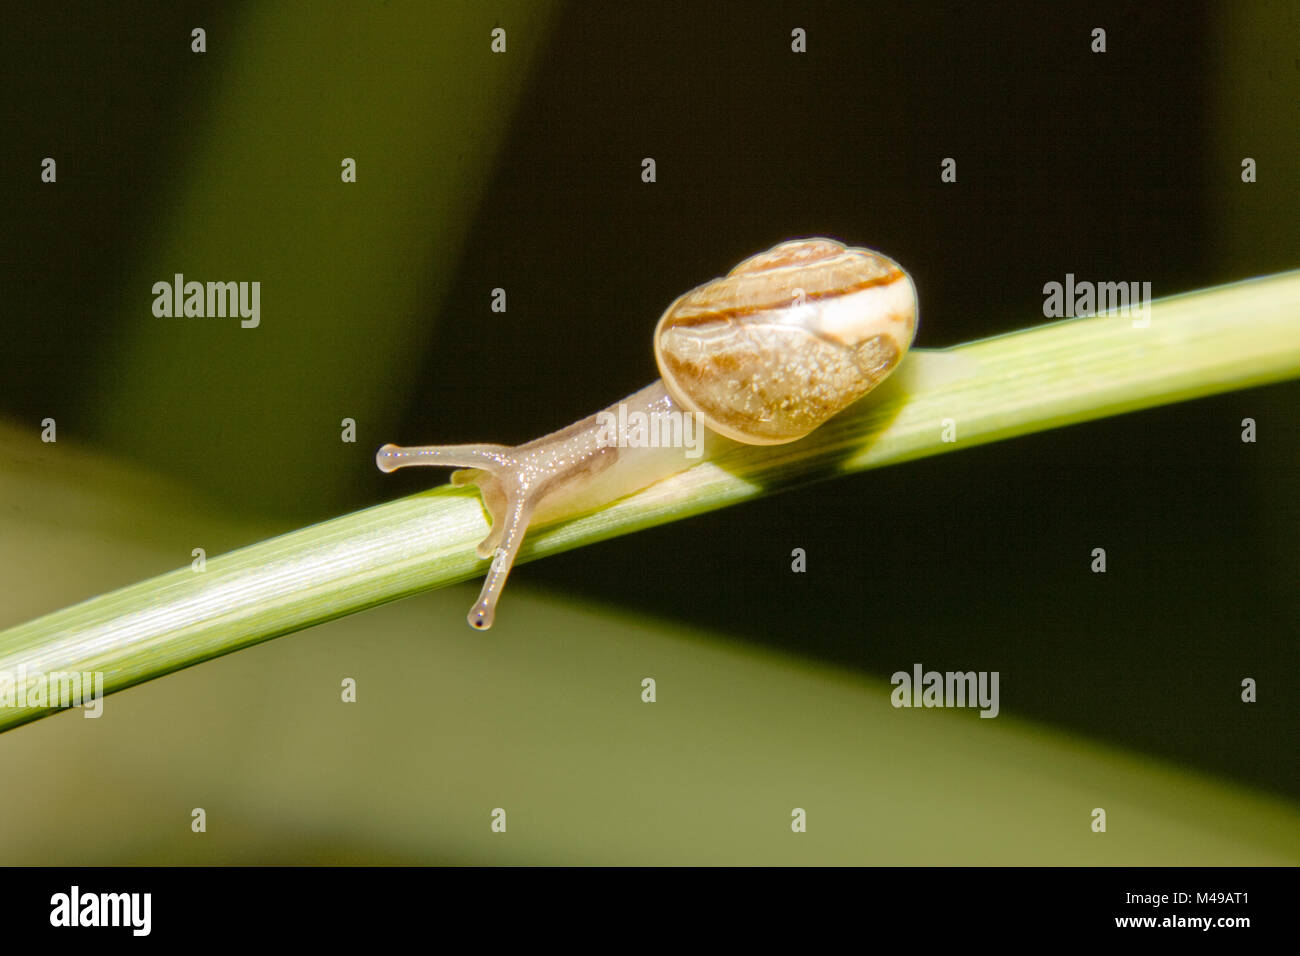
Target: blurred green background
(522, 171)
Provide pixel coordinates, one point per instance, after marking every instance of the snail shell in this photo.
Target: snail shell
(786, 339)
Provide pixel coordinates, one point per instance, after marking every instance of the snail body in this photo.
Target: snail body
(763, 356)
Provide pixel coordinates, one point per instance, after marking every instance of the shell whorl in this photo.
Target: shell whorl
(786, 339)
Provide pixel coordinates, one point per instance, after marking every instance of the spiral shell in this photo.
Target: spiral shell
(786, 339)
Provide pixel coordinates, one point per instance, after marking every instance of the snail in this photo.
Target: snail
(763, 356)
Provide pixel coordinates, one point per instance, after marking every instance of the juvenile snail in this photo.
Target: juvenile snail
(763, 356)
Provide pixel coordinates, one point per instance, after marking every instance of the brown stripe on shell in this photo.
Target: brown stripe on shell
(821, 268)
(705, 314)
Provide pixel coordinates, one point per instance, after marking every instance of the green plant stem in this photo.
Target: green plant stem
(1197, 344)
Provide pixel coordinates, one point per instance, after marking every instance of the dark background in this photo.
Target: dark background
(1120, 166)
